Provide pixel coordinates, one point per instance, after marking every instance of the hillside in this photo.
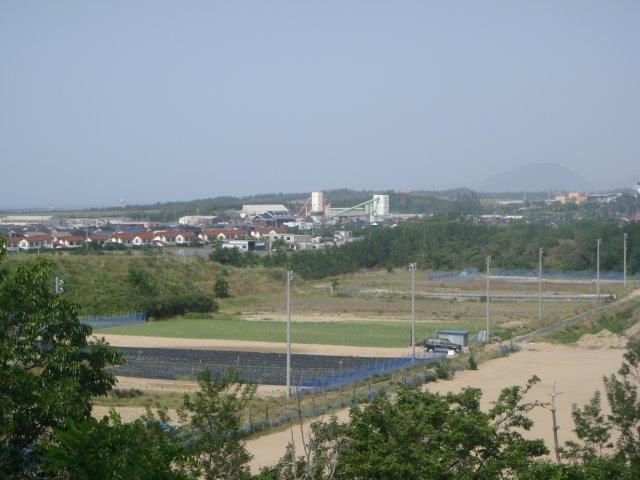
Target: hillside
(536, 177)
(107, 284)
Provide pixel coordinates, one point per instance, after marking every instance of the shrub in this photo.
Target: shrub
(165, 307)
(126, 392)
(443, 371)
(471, 363)
(221, 288)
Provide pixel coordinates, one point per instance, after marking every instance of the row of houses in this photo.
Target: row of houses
(243, 237)
(136, 237)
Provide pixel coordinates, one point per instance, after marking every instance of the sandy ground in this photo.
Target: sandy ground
(137, 341)
(129, 414)
(577, 372)
(187, 386)
(156, 384)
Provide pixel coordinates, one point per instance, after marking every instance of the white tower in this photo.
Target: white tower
(638, 189)
(317, 202)
(381, 205)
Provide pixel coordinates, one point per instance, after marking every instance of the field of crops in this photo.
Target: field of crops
(261, 368)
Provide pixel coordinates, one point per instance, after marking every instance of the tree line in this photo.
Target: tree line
(441, 244)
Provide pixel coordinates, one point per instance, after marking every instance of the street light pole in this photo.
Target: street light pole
(488, 266)
(540, 252)
(624, 274)
(598, 270)
(289, 278)
(412, 269)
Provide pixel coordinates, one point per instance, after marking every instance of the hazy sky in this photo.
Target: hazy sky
(164, 100)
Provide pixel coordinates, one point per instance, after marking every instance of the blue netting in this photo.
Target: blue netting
(376, 367)
(107, 321)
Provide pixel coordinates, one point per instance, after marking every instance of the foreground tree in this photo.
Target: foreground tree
(422, 435)
(48, 369)
(595, 430)
(108, 449)
(213, 419)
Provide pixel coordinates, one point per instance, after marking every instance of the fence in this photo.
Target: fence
(107, 321)
(563, 323)
(257, 420)
(474, 273)
(377, 367)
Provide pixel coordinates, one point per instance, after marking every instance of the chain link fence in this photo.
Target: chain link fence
(106, 321)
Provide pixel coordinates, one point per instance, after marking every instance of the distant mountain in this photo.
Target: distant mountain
(536, 177)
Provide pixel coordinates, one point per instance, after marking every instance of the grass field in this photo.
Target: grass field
(369, 333)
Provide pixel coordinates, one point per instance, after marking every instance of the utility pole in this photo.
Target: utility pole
(598, 270)
(624, 261)
(540, 252)
(488, 266)
(412, 269)
(289, 278)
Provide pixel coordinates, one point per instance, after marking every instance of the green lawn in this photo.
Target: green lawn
(366, 333)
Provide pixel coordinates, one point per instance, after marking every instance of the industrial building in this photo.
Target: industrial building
(250, 210)
(198, 220)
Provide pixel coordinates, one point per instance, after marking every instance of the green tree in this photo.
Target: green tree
(110, 449)
(212, 418)
(227, 256)
(595, 430)
(142, 281)
(423, 435)
(48, 369)
(221, 288)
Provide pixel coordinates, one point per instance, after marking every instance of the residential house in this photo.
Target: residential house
(221, 234)
(134, 239)
(174, 237)
(272, 233)
(13, 243)
(68, 241)
(35, 241)
(98, 238)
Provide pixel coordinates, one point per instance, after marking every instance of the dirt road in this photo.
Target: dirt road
(577, 371)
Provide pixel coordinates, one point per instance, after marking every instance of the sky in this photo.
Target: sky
(175, 100)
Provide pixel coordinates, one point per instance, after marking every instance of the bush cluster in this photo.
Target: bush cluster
(179, 304)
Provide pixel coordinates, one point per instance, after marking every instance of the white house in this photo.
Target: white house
(174, 237)
(68, 241)
(221, 234)
(34, 241)
(272, 233)
(133, 239)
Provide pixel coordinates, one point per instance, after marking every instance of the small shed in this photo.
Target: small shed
(455, 335)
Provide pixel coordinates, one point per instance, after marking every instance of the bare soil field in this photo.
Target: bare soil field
(401, 280)
(393, 308)
(577, 372)
(249, 346)
(187, 386)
